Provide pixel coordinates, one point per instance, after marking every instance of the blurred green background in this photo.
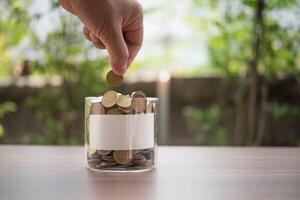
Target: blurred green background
(234, 69)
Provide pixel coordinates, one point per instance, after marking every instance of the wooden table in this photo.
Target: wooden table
(42, 173)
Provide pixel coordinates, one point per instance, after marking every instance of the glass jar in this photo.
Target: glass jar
(119, 139)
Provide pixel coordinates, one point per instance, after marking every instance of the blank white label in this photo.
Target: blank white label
(121, 132)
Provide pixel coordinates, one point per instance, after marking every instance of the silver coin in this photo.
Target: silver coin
(107, 158)
(103, 152)
(105, 164)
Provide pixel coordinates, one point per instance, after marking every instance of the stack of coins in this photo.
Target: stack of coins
(113, 103)
(121, 159)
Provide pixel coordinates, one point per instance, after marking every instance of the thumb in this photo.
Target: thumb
(117, 50)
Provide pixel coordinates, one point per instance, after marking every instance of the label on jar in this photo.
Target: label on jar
(121, 132)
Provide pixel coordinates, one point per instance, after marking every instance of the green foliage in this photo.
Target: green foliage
(230, 37)
(14, 22)
(5, 108)
(210, 130)
(205, 3)
(63, 54)
(280, 110)
(272, 4)
(61, 108)
(232, 31)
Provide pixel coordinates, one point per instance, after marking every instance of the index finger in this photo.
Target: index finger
(134, 40)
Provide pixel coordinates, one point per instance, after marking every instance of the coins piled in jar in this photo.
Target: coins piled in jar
(113, 103)
(128, 159)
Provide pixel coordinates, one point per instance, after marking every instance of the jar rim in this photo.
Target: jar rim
(148, 98)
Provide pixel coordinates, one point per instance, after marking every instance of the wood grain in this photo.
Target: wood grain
(42, 173)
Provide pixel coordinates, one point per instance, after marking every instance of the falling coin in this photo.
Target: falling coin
(109, 99)
(114, 79)
(124, 101)
(123, 157)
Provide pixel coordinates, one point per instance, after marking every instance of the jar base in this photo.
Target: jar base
(116, 170)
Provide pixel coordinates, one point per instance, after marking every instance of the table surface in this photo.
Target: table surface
(46, 172)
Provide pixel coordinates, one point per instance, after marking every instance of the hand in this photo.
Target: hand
(115, 25)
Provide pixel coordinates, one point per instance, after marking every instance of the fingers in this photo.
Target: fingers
(66, 4)
(99, 45)
(86, 33)
(92, 38)
(117, 50)
(116, 47)
(133, 32)
(134, 40)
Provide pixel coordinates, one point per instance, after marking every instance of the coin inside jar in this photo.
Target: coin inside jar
(124, 101)
(126, 111)
(113, 111)
(138, 94)
(97, 109)
(106, 164)
(109, 99)
(107, 158)
(114, 79)
(123, 157)
(139, 105)
(103, 152)
(92, 151)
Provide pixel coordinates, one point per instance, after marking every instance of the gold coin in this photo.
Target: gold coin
(92, 151)
(113, 111)
(109, 99)
(135, 152)
(109, 158)
(139, 105)
(123, 157)
(114, 79)
(97, 109)
(149, 108)
(126, 111)
(124, 101)
(138, 94)
(103, 152)
(107, 164)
